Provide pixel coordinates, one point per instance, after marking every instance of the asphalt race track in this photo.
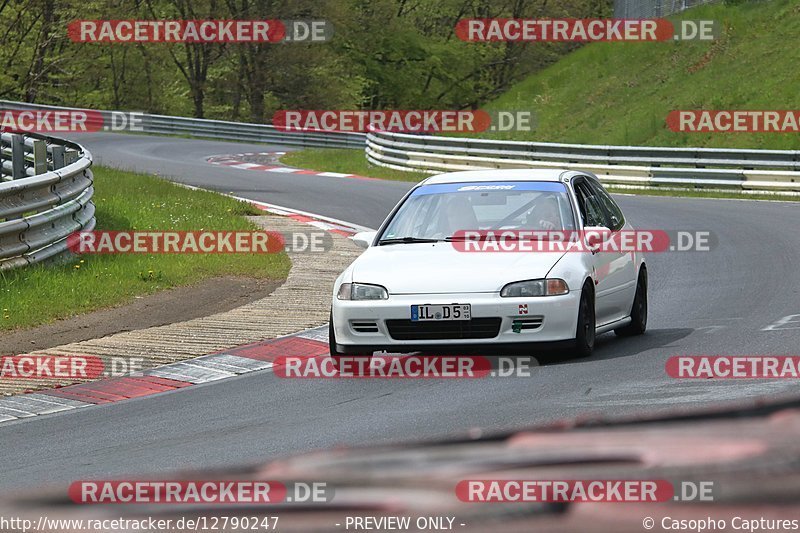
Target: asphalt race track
(359, 201)
(719, 302)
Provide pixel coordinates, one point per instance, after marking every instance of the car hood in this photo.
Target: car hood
(440, 268)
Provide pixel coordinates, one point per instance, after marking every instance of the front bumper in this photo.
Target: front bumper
(362, 325)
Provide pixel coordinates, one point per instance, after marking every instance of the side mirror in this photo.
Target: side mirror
(364, 239)
(595, 236)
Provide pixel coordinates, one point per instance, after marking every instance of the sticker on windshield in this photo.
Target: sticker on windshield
(487, 188)
(443, 188)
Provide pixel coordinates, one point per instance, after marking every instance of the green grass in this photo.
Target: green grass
(620, 93)
(125, 200)
(346, 161)
(701, 193)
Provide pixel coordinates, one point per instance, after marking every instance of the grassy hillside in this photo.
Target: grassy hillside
(621, 93)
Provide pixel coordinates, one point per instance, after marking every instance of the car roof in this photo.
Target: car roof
(524, 174)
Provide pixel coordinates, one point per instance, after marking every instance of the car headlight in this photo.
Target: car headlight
(535, 287)
(362, 291)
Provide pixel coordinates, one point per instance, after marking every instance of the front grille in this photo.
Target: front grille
(534, 322)
(364, 326)
(477, 328)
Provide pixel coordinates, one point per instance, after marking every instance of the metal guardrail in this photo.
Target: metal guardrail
(45, 195)
(217, 129)
(732, 169)
(642, 9)
(761, 171)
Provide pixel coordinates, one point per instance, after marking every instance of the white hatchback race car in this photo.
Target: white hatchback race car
(421, 285)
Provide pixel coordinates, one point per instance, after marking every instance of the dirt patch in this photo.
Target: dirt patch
(165, 307)
(716, 48)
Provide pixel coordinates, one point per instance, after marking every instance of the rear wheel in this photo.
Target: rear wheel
(638, 323)
(585, 333)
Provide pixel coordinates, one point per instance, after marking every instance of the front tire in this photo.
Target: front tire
(638, 323)
(332, 338)
(585, 333)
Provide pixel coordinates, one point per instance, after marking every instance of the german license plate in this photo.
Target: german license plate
(420, 313)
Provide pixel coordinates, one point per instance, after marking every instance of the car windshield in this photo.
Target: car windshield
(439, 211)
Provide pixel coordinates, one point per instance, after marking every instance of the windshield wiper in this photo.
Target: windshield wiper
(406, 240)
(510, 235)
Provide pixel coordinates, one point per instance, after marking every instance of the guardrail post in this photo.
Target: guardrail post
(17, 156)
(70, 156)
(39, 157)
(57, 153)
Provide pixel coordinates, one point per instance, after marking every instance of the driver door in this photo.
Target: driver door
(593, 214)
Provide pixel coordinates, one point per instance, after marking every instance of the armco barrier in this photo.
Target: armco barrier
(759, 171)
(743, 170)
(217, 129)
(45, 195)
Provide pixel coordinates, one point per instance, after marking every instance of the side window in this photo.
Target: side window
(591, 209)
(611, 210)
(581, 197)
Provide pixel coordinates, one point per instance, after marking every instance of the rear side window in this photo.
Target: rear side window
(591, 209)
(612, 211)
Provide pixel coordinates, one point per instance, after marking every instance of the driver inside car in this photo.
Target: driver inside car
(545, 216)
(458, 216)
